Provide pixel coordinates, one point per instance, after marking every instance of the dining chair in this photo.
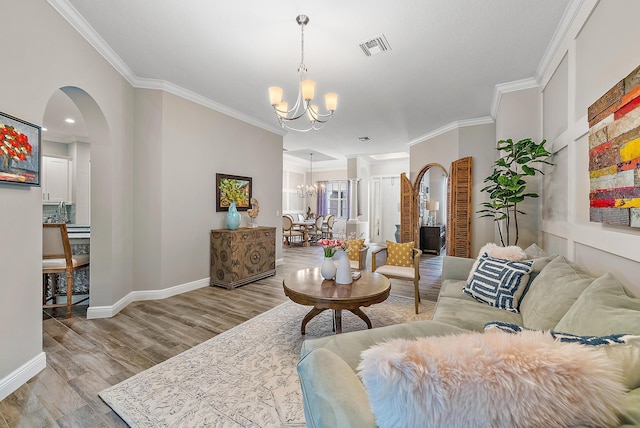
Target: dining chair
(315, 232)
(57, 258)
(288, 232)
(406, 268)
(327, 227)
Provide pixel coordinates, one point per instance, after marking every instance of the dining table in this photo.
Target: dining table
(304, 226)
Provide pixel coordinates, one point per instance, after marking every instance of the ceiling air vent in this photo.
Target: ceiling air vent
(375, 46)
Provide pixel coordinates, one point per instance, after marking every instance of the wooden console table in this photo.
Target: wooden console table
(243, 255)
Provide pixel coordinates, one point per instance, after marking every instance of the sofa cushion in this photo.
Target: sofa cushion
(396, 271)
(499, 282)
(469, 314)
(454, 288)
(552, 292)
(471, 380)
(605, 307)
(538, 264)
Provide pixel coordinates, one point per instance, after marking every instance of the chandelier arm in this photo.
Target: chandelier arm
(312, 127)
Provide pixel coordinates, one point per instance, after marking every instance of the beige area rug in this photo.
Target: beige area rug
(244, 377)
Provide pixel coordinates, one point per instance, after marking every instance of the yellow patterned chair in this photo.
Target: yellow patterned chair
(403, 262)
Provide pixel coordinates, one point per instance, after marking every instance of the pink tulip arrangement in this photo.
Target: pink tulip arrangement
(330, 246)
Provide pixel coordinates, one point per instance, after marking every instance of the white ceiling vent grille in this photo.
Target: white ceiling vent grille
(375, 46)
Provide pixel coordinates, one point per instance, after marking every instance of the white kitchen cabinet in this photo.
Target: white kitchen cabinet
(56, 180)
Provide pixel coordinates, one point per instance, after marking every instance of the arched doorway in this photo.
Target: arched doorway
(430, 197)
(91, 150)
(458, 207)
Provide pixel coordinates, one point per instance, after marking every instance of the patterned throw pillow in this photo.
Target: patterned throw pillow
(353, 248)
(622, 349)
(400, 254)
(611, 339)
(499, 283)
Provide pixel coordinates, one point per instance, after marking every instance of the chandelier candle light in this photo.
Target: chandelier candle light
(306, 89)
(311, 189)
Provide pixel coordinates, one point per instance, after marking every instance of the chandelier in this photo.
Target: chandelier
(310, 190)
(306, 89)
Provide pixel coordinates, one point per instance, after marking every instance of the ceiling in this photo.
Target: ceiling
(446, 58)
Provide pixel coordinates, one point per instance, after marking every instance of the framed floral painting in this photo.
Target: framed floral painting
(19, 151)
(233, 188)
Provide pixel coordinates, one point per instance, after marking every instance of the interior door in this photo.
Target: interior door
(459, 207)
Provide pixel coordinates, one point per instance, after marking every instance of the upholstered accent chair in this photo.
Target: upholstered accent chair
(57, 258)
(407, 268)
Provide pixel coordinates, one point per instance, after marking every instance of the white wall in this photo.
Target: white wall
(518, 117)
(590, 60)
(130, 169)
(477, 141)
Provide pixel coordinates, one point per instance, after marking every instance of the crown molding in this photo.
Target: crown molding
(485, 120)
(503, 88)
(163, 85)
(559, 35)
(71, 15)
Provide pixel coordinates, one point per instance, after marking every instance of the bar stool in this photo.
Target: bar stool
(57, 258)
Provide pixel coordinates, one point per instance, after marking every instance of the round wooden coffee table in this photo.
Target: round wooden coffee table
(308, 287)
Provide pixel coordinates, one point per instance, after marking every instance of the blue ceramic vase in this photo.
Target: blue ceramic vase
(233, 217)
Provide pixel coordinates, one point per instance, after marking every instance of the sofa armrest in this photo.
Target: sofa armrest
(456, 267)
(333, 395)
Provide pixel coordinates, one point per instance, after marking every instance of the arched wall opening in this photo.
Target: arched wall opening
(99, 211)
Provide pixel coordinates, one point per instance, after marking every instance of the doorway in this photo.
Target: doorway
(385, 209)
(76, 130)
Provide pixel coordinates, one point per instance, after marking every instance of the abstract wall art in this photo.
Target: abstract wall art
(614, 154)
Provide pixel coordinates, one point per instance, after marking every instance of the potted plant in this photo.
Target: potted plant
(507, 185)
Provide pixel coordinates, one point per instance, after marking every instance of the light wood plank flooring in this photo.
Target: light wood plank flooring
(87, 356)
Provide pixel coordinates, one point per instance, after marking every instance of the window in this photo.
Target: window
(337, 198)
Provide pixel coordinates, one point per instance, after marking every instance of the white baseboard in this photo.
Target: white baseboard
(94, 312)
(22, 374)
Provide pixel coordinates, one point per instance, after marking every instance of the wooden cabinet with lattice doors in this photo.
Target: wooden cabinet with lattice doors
(459, 188)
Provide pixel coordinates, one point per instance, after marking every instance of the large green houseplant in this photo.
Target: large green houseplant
(507, 186)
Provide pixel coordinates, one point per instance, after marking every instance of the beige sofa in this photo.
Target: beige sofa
(559, 296)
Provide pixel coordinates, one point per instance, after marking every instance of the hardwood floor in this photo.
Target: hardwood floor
(86, 356)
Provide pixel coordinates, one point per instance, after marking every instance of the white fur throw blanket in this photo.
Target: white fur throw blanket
(494, 379)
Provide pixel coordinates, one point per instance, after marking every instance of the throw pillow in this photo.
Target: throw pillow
(605, 307)
(611, 339)
(512, 252)
(623, 349)
(552, 292)
(353, 248)
(499, 283)
(400, 254)
(471, 379)
(534, 252)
